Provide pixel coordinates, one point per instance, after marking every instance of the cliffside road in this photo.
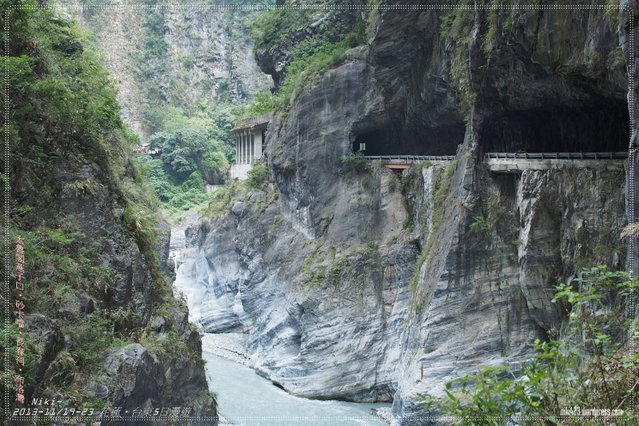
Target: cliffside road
(512, 162)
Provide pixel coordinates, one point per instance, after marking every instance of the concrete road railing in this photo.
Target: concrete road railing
(513, 162)
(508, 155)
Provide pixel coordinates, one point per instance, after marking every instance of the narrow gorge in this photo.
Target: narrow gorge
(429, 178)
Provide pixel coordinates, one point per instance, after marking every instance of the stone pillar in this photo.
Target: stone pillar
(252, 148)
(237, 150)
(243, 148)
(258, 144)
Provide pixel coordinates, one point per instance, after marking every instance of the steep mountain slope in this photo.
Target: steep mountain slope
(178, 54)
(102, 331)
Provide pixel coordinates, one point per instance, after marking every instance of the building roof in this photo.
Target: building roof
(254, 122)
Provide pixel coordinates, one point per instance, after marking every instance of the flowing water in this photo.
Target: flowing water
(244, 398)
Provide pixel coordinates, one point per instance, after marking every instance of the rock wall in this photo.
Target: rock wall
(172, 54)
(354, 284)
(332, 319)
(133, 307)
(628, 34)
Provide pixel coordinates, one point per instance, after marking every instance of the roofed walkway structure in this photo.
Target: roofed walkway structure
(250, 135)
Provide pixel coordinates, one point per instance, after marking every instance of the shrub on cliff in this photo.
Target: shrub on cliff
(592, 365)
(258, 176)
(304, 42)
(354, 164)
(262, 103)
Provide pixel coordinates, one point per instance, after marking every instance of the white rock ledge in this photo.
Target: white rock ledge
(231, 346)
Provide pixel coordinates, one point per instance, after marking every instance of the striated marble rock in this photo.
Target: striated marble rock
(361, 285)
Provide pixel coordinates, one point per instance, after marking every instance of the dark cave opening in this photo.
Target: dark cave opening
(411, 141)
(376, 142)
(601, 126)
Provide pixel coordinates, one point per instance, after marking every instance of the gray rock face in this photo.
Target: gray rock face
(492, 297)
(163, 248)
(48, 339)
(345, 325)
(136, 379)
(629, 8)
(293, 314)
(319, 271)
(238, 208)
(138, 375)
(208, 53)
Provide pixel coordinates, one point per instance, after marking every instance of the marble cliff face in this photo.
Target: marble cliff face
(366, 286)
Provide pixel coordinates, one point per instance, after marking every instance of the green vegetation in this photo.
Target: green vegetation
(189, 150)
(169, 347)
(456, 26)
(258, 176)
(79, 202)
(194, 151)
(593, 364)
(369, 252)
(480, 226)
(498, 18)
(262, 103)
(328, 267)
(337, 269)
(611, 12)
(310, 57)
(373, 14)
(220, 202)
(317, 276)
(354, 164)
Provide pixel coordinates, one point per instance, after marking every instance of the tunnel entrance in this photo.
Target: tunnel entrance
(410, 141)
(377, 142)
(600, 126)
